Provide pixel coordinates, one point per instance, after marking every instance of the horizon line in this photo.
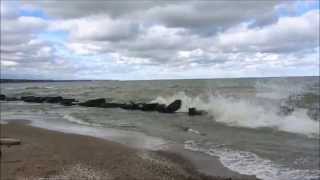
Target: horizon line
(13, 79)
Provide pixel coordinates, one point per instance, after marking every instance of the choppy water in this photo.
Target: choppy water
(242, 127)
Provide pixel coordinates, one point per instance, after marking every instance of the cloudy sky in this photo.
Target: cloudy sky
(158, 39)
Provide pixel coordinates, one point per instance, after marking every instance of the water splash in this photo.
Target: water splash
(245, 113)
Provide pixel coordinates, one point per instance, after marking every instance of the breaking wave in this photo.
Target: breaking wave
(247, 113)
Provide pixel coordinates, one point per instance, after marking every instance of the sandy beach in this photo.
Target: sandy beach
(50, 154)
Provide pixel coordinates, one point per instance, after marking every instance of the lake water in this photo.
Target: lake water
(243, 125)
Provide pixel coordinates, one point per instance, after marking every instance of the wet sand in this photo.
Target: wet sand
(50, 154)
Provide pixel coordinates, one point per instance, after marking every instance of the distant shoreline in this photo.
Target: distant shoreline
(89, 80)
(38, 81)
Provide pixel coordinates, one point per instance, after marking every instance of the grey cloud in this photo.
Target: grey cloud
(76, 9)
(152, 35)
(21, 51)
(203, 17)
(287, 35)
(208, 17)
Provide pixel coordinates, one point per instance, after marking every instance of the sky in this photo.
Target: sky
(140, 40)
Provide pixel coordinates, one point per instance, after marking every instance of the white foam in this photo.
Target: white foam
(72, 119)
(250, 164)
(244, 113)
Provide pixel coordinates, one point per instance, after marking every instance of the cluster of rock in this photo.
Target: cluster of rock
(171, 108)
(101, 103)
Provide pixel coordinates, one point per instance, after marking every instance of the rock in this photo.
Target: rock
(174, 106)
(131, 106)
(11, 99)
(194, 112)
(67, 102)
(33, 99)
(161, 108)
(135, 106)
(111, 105)
(101, 102)
(2, 97)
(149, 107)
(56, 99)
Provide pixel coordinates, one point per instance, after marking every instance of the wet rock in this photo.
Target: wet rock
(161, 108)
(67, 102)
(131, 106)
(149, 107)
(2, 97)
(33, 99)
(127, 106)
(94, 103)
(111, 105)
(194, 112)
(136, 106)
(56, 99)
(174, 106)
(12, 99)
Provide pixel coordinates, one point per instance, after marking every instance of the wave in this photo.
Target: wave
(245, 113)
(75, 120)
(251, 164)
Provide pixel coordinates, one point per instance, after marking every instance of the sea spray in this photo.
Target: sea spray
(246, 113)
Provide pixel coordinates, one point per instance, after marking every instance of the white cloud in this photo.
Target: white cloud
(8, 63)
(289, 33)
(100, 28)
(166, 39)
(83, 48)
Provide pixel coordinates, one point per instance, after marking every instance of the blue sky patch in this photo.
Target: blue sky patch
(34, 13)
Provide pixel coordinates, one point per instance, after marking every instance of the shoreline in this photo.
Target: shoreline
(47, 153)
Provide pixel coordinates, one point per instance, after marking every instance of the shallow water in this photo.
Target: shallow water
(242, 126)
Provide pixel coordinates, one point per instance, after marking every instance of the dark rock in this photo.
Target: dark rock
(161, 108)
(67, 102)
(2, 97)
(101, 102)
(131, 106)
(194, 112)
(149, 107)
(57, 99)
(33, 99)
(111, 105)
(12, 99)
(174, 106)
(135, 106)
(126, 106)
(27, 98)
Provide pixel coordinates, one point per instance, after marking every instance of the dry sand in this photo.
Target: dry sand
(50, 154)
